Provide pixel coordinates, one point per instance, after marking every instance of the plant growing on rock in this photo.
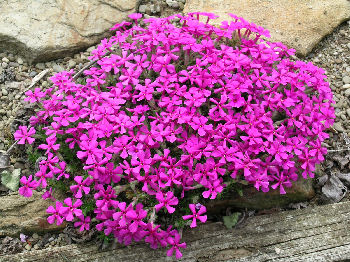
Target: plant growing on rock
(171, 114)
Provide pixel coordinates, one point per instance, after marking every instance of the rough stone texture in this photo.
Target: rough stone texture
(24, 215)
(301, 191)
(308, 235)
(298, 24)
(42, 30)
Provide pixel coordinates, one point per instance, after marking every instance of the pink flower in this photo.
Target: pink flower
(196, 215)
(81, 186)
(84, 223)
(23, 135)
(71, 209)
(168, 201)
(28, 186)
(56, 213)
(175, 246)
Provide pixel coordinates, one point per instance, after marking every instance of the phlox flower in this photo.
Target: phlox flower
(28, 186)
(23, 135)
(196, 215)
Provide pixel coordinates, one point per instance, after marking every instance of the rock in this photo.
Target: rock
(345, 178)
(42, 30)
(4, 92)
(57, 68)
(19, 214)
(292, 22)
(28, 247)
(33, 73)
(346, 79)
(20, 60)
(348, 112)
(334, 190)
(35, 236)
(143, 8)
(40, 66)
(172, 3)
(347, 92)
(5, 60)
(301, 191)
(11, 179)
(71, 63)
(338, 126)
(13, 64)
(346, 86)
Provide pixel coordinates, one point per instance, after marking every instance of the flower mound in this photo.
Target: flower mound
(168, 109)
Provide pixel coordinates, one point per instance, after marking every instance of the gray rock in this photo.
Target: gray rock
(348, 112)
(20, 60)
(33, 73)
(5, 59)
(345, 178)
(143, 8)
(13, 64)
(4, 92)
(346, 86)
(71, 63)
(57, 68)
(334, 190)
(338, 126)
(40, 66)
(347, 92)
(346, 79)
(172, 3)
(42, 30)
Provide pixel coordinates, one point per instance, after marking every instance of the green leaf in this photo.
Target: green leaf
(11, 180)
(231, 221)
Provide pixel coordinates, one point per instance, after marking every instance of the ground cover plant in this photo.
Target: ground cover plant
(168, 117)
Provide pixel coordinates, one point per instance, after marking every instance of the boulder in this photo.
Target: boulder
(19, 214)
(43, 30)
(298, 24)
(302, 190)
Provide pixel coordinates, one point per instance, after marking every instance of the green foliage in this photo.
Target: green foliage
(88, 206)
(231, 221)
(32, 155)
(60, 185)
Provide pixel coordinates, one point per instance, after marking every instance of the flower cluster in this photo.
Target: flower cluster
(168, 109)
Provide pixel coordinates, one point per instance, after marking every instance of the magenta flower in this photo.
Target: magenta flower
(82, 186)
(28, 186)
(51, 140)
(84, 223)
(136, 216)
(175, 246)
(56, 213)
(71, 209)
(23, 135)
(196, 215)
(168, 201)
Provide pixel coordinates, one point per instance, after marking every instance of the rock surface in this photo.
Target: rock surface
(298, 24)
(44, 30)
(21, 215)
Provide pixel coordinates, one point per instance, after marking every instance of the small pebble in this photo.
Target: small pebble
(28, 247)
(33, 73)
(346, 79)
(338, 126)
